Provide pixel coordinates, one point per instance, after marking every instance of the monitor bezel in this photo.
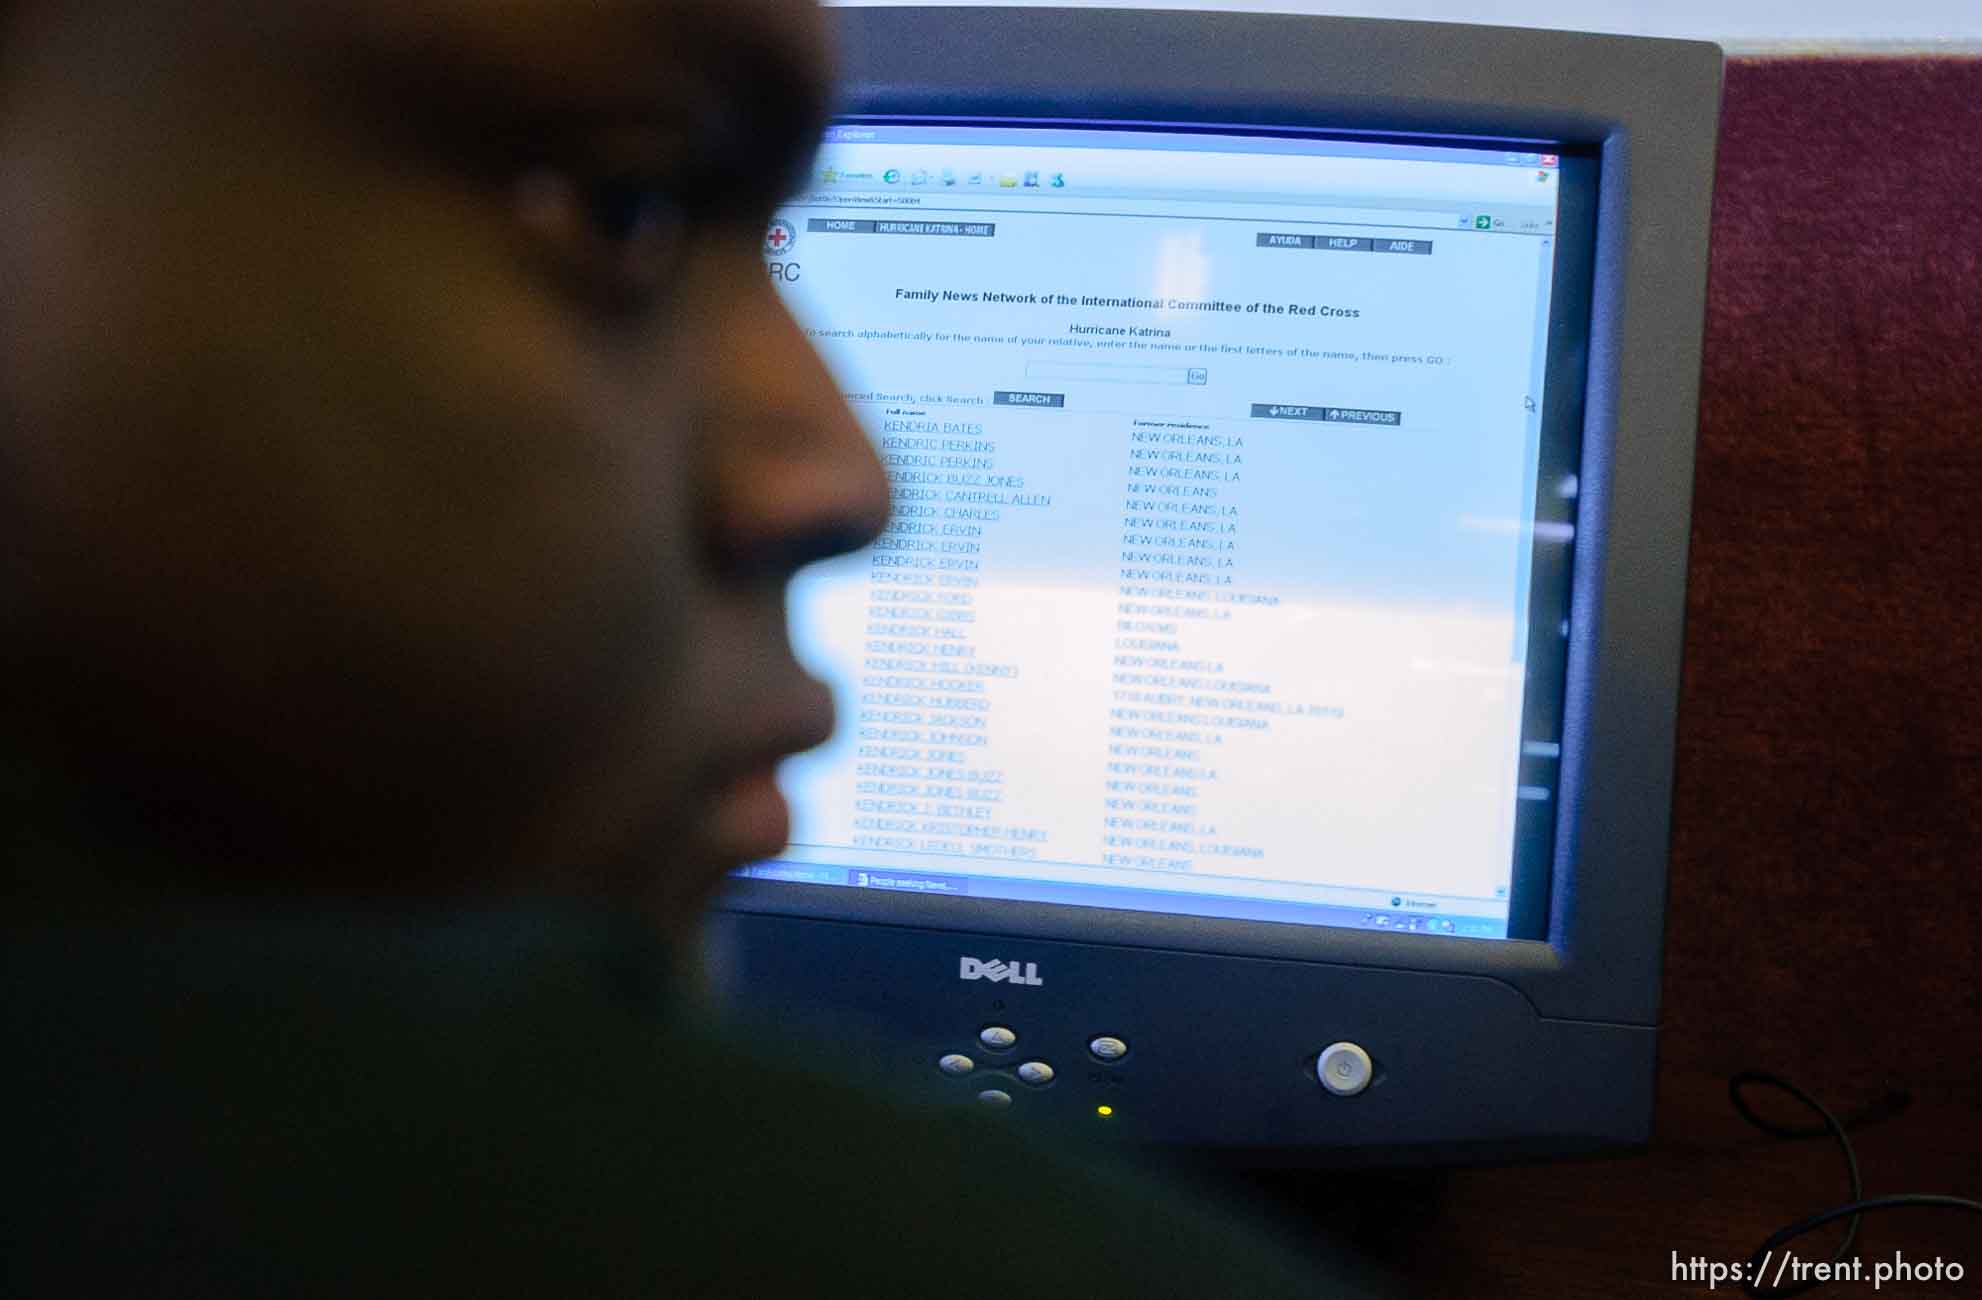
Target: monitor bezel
(1649, 109)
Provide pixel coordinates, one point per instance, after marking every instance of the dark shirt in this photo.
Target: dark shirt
(511, 1103)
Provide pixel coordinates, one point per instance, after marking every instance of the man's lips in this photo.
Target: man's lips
(748, 818)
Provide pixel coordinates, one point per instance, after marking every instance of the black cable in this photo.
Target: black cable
(1891, 1104)
(1894, 1102)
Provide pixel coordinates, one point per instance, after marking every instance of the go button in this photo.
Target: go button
(1344, 1069)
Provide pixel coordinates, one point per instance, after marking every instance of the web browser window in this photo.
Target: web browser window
(1220, 491)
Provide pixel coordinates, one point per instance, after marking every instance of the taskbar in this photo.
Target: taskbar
(1168, 902)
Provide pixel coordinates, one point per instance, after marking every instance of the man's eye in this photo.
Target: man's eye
(623, 211)
(620, 237)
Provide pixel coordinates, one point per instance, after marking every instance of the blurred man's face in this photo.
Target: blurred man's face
(402, 451)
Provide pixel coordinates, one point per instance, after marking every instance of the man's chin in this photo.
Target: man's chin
(686, 864)
(747, 819)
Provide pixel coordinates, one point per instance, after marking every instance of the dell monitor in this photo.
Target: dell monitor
(1257, 718)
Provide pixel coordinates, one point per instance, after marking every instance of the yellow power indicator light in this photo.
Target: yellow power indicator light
(1104, 1111)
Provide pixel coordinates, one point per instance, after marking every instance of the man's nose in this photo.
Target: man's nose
(796, 479)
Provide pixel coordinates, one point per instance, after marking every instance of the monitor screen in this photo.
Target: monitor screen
(1235, 479)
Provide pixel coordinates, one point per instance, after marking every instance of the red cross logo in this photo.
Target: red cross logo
(778, 238)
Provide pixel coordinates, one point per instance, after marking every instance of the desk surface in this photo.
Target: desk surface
(1709, 1185)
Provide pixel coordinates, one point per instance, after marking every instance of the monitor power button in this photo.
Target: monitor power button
(1344, 1069)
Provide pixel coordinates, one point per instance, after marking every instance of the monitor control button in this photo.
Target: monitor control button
(956, 1063)
(1344, 1069)
(1106, 1048)
(1037, 1073)
(994, 1098)
(997, 1038)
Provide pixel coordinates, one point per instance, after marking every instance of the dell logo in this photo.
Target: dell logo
(1009, 972)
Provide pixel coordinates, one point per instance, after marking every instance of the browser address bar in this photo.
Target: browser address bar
(1105, 203)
